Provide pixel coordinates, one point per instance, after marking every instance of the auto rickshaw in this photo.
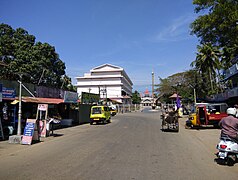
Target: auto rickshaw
(206, 114)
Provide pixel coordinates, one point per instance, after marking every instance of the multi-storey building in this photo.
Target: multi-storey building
(109, 81)
(230, 95)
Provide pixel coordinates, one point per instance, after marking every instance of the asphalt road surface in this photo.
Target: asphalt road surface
(131, 147)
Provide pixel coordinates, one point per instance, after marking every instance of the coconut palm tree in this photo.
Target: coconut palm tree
(207, 62)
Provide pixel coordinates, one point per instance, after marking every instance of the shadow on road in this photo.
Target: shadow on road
(203, 127)
(169, 130)
(56, 135)
(225, 162)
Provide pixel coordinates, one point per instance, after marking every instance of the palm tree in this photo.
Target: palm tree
(207, 62)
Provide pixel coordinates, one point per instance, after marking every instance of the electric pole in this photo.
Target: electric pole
(152, 89)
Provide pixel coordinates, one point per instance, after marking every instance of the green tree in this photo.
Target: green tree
(136, 99)
(219, 25)
(38, 62)
(182, 83)
(67, 83)
(208, 64)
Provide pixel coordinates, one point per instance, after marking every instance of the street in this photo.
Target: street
(131, 147)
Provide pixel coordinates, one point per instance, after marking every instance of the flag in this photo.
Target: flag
(178, 103)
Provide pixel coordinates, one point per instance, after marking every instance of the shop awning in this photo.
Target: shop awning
(42, 100)
(114, 100)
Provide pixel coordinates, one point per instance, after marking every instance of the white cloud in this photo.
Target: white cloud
(178, 30)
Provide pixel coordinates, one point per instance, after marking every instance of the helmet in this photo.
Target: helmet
(231, 111)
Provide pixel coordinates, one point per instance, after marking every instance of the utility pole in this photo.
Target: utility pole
(194, 95)
(19, 108)
(153, 99)
(152, 89)
(152, 84)
(16, 139)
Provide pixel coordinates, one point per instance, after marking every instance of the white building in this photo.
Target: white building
(146, 99)
(109, 81)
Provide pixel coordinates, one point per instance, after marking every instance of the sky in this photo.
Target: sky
(141, 36)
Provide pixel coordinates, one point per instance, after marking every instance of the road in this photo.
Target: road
(131, 147)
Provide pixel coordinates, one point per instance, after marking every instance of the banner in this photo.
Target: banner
(42, 125)
(178, 103)
(89, 98)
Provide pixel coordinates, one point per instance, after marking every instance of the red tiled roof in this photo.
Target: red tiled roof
(146, 91)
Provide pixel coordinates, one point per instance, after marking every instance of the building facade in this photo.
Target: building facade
(230, 95)
(109, 81)
(146, 98)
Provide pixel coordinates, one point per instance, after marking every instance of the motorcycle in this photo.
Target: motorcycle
(228, 151)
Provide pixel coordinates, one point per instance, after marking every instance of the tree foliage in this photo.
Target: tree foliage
(208, 65)
(37, 62)
(136, 99)
(182, 83)
(217, 29)
(219, 25)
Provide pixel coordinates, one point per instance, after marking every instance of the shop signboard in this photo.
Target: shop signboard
(29, 131)
(0, 92)
(8, 92)
(89, 98)
(42, 107)
(70, 97)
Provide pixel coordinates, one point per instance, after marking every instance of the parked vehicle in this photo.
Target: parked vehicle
(228, 151)
(100, 114)
(206, 114)
(113, 111)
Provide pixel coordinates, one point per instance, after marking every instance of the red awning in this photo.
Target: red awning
(42, 100)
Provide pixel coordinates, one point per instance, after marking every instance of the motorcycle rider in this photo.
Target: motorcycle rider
(229, 124)
(236, 106)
